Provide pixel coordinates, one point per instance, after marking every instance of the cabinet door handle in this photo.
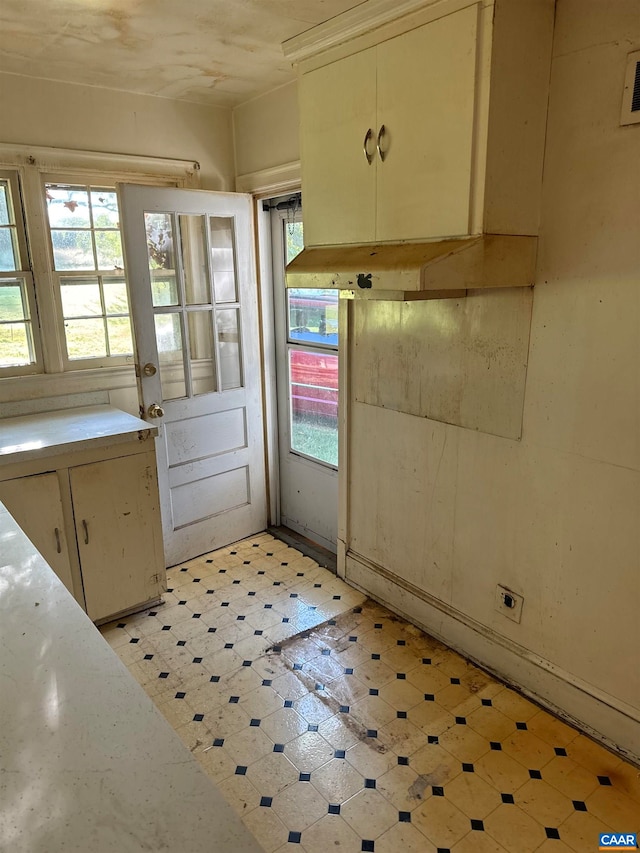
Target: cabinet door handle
(381, 134)
(85, 527)
(367, 137)
(58, 543)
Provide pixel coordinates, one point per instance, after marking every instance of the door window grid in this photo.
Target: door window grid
(196, 315)
(19, 346)
(312, 363)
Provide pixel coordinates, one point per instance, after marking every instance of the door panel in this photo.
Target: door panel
(306, 354)
(193, 299)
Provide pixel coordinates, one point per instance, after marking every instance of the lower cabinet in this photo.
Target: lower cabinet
(36, 504)
(98, 526)
(117, 526)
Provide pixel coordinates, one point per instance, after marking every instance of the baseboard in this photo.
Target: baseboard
(602, 716)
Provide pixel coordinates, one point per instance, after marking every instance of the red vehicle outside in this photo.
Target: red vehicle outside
(314, 384)
(313, 319)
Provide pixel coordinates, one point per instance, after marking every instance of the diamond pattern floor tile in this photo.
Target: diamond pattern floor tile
(328, 721)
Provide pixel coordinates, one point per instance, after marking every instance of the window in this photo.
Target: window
(18, 352)
(63, 289)
(312, 346)
(88, 270)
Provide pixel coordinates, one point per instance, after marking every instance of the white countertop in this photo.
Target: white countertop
(49, 433)
(87, 762)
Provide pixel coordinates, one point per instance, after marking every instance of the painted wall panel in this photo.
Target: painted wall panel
(462, 362)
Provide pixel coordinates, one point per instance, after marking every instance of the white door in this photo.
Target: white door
(193, 295)
(306, 327)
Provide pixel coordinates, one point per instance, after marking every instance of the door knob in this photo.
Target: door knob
(155, 411)
(149, 369)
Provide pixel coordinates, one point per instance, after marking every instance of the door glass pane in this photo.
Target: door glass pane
(164, 288)
(171, 364)
(203, 374)
(229, 356)
(313, 389)
(160, 241)
(313, 315)
(222, 259)
(196, 274)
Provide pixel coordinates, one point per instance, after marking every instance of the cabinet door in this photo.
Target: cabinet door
(337, 107)
(117, 517)
(36, 504)
(426, 87)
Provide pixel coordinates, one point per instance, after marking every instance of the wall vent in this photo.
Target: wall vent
(631, 95)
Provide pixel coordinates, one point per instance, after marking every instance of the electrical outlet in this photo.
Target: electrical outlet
(509, 603)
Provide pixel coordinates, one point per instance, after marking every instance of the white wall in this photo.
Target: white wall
(556, 515)
(266, 131)
(64, 115)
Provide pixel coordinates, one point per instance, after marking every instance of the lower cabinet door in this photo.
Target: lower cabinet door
(117, 518)
(36, 504)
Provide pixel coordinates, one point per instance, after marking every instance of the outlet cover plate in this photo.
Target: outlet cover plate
(503, 595)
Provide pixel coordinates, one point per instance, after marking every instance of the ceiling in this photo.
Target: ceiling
(216, 52)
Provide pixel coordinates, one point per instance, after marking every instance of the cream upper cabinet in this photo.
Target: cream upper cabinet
(387, 137)
(425, 97)
(338, 127)
(449, 105)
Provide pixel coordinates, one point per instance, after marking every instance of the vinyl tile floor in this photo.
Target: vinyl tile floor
(327, 721)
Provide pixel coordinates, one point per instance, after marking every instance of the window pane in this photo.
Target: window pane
(160, 242)
(85, 338)
(313, 387)
(201, 351)
(80, 298)
(5, 204)
(12, 306)
(169, 340)
(164, 289)
(109, 250)
(115, 296)
(120, 340)
(68, 207)
(16, 345)
(313, 315)
(227, 322)
(196, 274)
(104, 206)
(222, 258)
(72, 250)
(224, 284)
(294, 242)
(8, 254)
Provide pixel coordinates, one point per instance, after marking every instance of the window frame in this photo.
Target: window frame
(13, 178)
